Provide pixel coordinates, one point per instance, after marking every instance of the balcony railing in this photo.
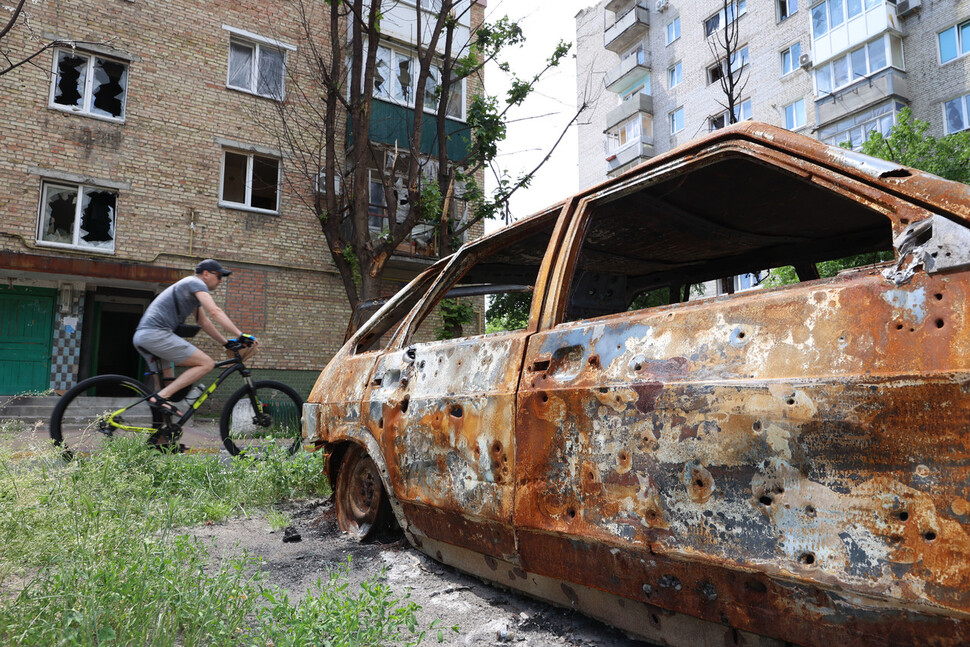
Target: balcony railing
(627, 28)
(630, 155)
(625, 74)
(639, 103)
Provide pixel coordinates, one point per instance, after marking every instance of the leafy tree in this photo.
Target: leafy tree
(907, 144)
(508, 311)
(331, 92)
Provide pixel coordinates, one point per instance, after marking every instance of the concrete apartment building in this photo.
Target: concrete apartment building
(834, 70)
(130, 157)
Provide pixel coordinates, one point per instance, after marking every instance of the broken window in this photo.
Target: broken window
(667, 238)
(256, 68)
(402, 85)
(250, 180)
(396, 76)
(89, 84)
(77, 216)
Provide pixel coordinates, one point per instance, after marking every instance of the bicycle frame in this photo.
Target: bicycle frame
(233, 365)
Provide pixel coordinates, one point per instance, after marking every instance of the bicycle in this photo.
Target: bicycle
(260, 417)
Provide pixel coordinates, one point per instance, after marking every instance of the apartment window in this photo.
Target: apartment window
(673, 30)
(676, 121)
(739, 59)
(859, 63)
(78, 216)
(855, 130)
(957, 114)
(256, 68)
(675, 74)
(786, 8)
(834, 13)
(629, 132)
(954, 42)
(742, 112)
(717, 21)
(250, 181)
(89, 84)
(396, 77)
(795, 115)
(789, 58)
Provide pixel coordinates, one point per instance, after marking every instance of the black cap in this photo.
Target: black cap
(209, 265)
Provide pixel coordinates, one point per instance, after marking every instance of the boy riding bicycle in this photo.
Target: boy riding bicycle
(158, 331)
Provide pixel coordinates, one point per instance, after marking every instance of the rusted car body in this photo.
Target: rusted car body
(789, 464)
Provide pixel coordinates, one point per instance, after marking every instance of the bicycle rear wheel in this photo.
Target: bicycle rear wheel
(260, 420)
(97, 408)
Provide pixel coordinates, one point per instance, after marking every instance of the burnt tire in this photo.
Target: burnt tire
(363, 506)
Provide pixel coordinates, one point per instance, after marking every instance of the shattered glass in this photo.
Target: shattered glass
(71, 78)
(403, 79)
(108, 88)
(60, 207)
(97, 219)
(382, 72)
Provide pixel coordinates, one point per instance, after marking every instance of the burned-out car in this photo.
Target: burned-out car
(786, 464)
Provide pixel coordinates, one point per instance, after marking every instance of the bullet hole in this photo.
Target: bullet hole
(939, 296)
(421, 364)
(699, 482)
(895, 539)
(496, 447)
(899, 326)
(571, 513)
(589, 476)
(604, 389)
(912, 330)
(904, 221)
(505, 459)
(741, 335)
(756, 586)
(623, 456)
(654, 618)
(380, 423)
(939, 323)
(544, 396)
(498, 478)
(594, 361)
(806, 558)
(638, 367)
(404, 404)
(791, 401)
(456, 412)
(651, 515)
(903, 515)
(810, 511)
(670, 582)
(757, 425)
(929, 535)
(764, 499)
(478, 452)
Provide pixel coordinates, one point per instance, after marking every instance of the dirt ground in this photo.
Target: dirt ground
(485, 614)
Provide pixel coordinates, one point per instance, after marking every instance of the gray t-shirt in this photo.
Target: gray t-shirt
(162, 313)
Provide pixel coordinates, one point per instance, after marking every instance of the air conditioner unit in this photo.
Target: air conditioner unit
(904, 7)
(662, 4)
(805, 61)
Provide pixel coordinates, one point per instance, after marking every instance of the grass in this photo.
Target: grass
(92, 553)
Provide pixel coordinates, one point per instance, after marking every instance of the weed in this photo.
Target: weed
(278, 520)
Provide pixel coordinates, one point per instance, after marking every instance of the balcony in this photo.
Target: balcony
(627, 73)
(627, 29)
(855, 31)
(617, 6)
(862, 94)
(619, 114)
(630, 155)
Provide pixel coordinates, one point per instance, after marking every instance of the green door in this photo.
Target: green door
(26, 331)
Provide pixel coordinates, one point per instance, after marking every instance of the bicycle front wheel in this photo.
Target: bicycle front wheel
(97, 408)
(260, 420)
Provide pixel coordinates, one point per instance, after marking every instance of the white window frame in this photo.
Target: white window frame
(247, 204)
(76, 241)
(961, 36)
(793, 57)
(738, 7)
(786, 8)
(628, 132)
(963, 103)
(257, 43)
(672, 32)
(829, 68)
(794, 125)
(675, 75)
(827, 12)
(393, 55)
(673, 118)
(744, 114)
(851, 130)
(87, 95)
(741, 53)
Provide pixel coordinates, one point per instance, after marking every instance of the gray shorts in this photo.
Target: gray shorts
(163, 344)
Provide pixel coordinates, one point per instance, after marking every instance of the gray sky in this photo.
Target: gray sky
(534, 127)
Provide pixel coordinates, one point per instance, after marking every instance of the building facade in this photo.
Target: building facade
(131, 154)
(835, 70)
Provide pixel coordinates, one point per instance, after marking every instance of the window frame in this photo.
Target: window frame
(829, 67)
(673, 119)
(964, 102)
(785, 9)
(80, 189)
(741, 53)
(743, 107)
(795, 126)
(866, 6)
(672, 26)
(257, 43)
(388, 96)
(247, 205)
(87, 94)
(736, 7)
(677, 70)
(961, 44)
(793, 57)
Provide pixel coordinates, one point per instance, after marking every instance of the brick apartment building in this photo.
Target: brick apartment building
(127, 159)
(832, 69)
